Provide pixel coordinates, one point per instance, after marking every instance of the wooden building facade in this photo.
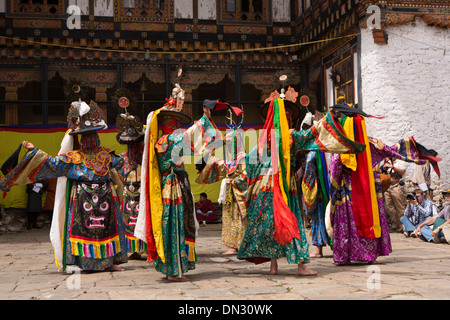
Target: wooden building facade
(138, 45)
(229, 49)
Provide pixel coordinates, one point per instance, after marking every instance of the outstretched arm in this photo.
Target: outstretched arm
(35, 165)
(326, 135)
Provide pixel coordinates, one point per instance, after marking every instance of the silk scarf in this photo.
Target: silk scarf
(364, 199)
(286, 224)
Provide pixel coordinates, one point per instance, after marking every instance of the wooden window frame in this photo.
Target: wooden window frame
(226, 17)
(144, 13)
(16, 9)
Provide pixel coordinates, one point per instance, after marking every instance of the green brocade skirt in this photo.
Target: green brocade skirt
(178, 226)
(259, 245)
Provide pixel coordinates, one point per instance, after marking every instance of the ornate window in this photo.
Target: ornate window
(37, 7)
(245, 11)
(341, 80)
(143, 10)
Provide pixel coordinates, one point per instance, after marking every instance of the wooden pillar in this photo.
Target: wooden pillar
(44, 76)
(187, 107)
(91, 14)
(167, 88)
(11, 110)
(195, 15)
(101, 96)
(238, 83)
(120, 74)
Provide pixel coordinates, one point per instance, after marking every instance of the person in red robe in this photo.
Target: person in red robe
(204, 209)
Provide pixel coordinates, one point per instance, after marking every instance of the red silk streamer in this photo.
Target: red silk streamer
(170, 102)
(286, 224)
(151, 244)
(361, 200)
(264, 139)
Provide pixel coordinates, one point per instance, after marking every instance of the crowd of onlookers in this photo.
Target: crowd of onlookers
(418, 213)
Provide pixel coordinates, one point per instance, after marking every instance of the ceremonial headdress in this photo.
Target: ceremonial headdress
(130, 128)
(84, 118)
(293, 110)
(174, 106)
(217, 105)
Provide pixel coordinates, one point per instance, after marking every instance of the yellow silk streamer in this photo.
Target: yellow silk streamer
(309, 193)
(349, 160)
(373, 194)
(285, 145)
(154, 186)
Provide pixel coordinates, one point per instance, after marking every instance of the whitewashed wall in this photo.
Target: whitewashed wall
(281, 11)
(183, 9)
(409, 82)
(2, 6)
(104, 8)
(207, 10)
(83, 4)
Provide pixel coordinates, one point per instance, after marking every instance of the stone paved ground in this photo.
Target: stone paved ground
(414, 271)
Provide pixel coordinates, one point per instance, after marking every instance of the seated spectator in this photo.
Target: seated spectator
(417, 211)
(395, 201)
(204, 209)
(440, 231)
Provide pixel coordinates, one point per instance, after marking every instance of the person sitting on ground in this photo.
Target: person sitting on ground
(440, 231)
(418, 210)
(204, 209)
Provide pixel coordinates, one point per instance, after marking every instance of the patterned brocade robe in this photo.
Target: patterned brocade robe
(315, 194)
(348, 242)
(234, 211)
(130, 204)
(259, 244)
(93, 235)
(170, 228)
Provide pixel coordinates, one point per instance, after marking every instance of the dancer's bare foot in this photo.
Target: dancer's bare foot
(303, 270)
(135, 256)
(347, 263)
(178, 279)
(229, 252)
(273, 266)
(115, 267)
(318, 253)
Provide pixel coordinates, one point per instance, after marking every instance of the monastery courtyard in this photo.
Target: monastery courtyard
(415, 270)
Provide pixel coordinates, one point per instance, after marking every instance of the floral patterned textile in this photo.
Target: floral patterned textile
(178, 224)
(347, 244)
(130, 210)
(259, 244)
(313, 197)
(131, 196)
(37, 165)
(234, 211)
